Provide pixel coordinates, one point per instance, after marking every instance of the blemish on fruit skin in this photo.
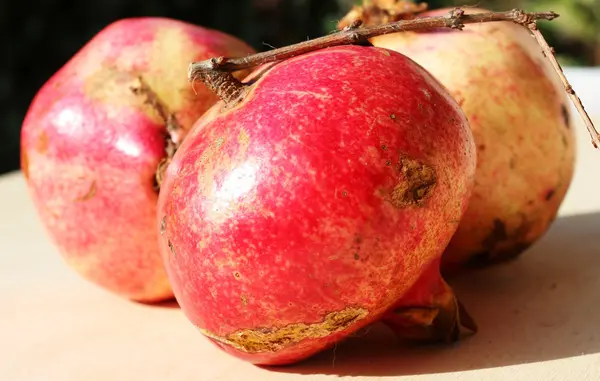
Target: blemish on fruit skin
(274, 339)
(344, 193)
(171, 248)
(42, 143)
(243, 138)
(416, 184)
(566, 115)
(244, 299)
(91, 192)
(549, 194)
(163, 225)
(492, 245)
(497, 234)
(356, 256)
(208, 154)
(488, 258)
(385, 51)
(237, 275)
(393, 116)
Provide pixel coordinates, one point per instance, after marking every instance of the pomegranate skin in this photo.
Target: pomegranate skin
(519, 113)
(94, 135)
(306, 211)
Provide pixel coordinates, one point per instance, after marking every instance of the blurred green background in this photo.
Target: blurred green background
(39, 36)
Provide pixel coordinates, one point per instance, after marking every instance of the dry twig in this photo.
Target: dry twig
(549, 53)
(215, 73)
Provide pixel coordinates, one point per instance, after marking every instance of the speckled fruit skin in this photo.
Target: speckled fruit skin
(90, 146)
(309, 209)
(519, 114)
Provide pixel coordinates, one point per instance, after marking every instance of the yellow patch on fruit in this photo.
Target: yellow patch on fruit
(168, 76)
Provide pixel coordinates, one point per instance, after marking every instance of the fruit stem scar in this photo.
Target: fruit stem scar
(274, 339)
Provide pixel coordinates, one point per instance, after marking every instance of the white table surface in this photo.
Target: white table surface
(539, 317)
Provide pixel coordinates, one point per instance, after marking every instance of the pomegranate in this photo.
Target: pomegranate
(94, 135)
(518, 112)
(307, 209)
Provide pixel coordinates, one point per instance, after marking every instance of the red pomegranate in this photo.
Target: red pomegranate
(315, 204)
(94, 135)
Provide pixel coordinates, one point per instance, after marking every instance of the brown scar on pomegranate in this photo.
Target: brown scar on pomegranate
(91, 192)
(497, 234)
(163, 225)
(172, 248)
(493, 253)
(42, 143)
(275, 339)
(566, 115)
(418, 182)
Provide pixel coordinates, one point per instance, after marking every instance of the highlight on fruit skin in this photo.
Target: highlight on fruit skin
(317, 204)
(94, 135)
(519, 113)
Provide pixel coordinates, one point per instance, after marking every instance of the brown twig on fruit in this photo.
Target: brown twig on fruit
(215, 72)
(173, 130)
(549, 53)
(354, 34)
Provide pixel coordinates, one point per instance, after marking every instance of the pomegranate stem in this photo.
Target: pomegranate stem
(215, 72)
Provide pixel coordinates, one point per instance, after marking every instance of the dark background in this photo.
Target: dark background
(38, 36)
